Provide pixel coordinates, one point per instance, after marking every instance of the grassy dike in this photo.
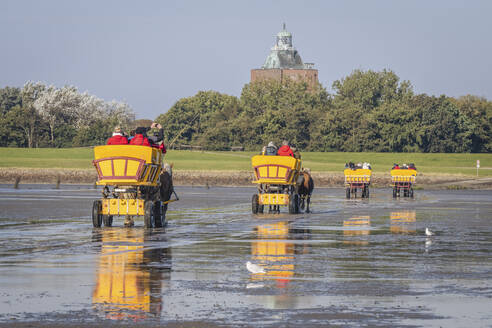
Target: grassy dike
(207, 167)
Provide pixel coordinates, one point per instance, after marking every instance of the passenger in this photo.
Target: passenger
(352, 166)
(405, 167)
(346, 165)
(296, 152)
(369, 166)
(132, 135)
(359, 165)
(140, 138)
(364, 166)
(118, 138)
(157, 138)
(396, 166)
(271, 149)
(412, 166)
(285, 149)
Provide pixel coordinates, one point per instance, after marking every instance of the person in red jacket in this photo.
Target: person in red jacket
(118, 138)
(140, 138)
(285, 150)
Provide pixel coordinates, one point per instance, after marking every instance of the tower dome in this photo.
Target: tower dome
(283, 54)
(284, 39)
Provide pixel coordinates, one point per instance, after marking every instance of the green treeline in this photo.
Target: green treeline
(369, 111)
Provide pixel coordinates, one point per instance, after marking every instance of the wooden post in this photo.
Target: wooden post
(16, 183)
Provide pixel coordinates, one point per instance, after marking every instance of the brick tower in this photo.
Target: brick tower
(284, 62)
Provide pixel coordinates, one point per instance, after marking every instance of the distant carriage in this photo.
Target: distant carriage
(135, 184)
(357, 179)
(402, 181)
(276, 178)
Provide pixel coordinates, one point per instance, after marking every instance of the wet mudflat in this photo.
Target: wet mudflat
(349, 263)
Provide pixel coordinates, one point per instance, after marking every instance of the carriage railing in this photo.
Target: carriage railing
(127, 165)
(358, 176)
(403, 176)
(275, 169)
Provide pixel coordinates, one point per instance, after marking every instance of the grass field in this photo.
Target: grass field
(80, 158)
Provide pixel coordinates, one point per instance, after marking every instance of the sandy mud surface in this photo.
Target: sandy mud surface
(237, 178)
(349, 263)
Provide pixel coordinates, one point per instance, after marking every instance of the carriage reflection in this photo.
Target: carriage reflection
(356, 230)
(275, 249)
(403, 222)
(130, 274)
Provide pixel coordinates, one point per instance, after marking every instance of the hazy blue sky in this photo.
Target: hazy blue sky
(151, 53)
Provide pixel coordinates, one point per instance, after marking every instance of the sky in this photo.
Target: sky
(152, 53)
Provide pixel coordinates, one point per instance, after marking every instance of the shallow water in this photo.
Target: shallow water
(350, 262)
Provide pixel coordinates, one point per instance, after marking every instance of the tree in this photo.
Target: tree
(479, 111)
(58, 106)
(272, 111)
(9, 97)
(203, 119)
(370, 89)
(441, 127)
(29, 94)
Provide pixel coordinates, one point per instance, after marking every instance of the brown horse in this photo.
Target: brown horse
(305, 186)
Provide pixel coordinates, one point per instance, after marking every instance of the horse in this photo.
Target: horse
(166, 186)
(305, 186)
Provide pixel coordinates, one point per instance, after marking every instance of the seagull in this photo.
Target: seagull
(428, 232)
(254, 268)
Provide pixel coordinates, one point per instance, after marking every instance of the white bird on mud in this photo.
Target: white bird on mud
(254, 268)
(428, 232)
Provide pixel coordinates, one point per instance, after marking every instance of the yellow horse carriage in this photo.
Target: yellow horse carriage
(276, 178)
(135, 183)
(403, 180)
(357, 179)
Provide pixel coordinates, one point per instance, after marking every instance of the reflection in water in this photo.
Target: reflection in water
(275, 250)
(130, 273)
(403, 222)
(354, 228)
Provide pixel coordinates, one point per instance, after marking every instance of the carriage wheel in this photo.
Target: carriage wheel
(294, 204)
(157, 214)
(107, 220)
(347, 193)
(148, 214)
(411, 192)
(367, 191)
(354, 192)
(96, 217)
(254, 204)
(405, 192)
(298, 203)
(261, 208)
(394, 192)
